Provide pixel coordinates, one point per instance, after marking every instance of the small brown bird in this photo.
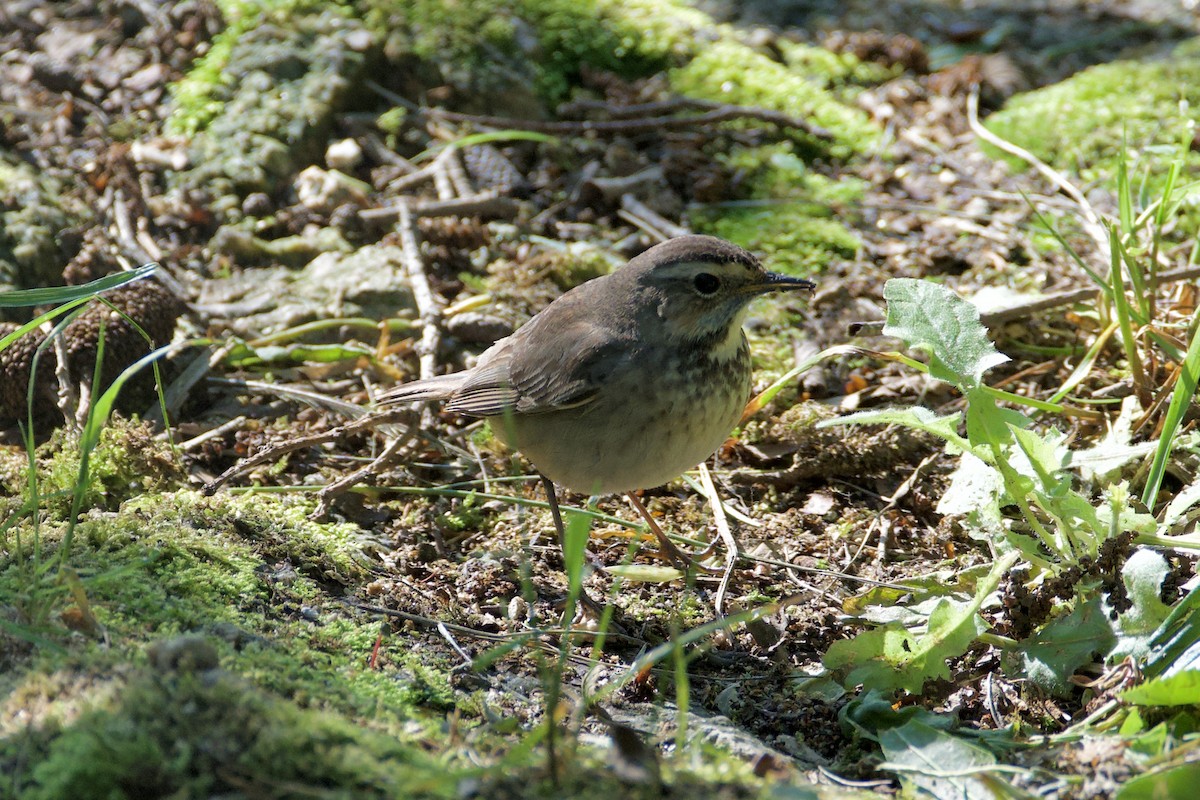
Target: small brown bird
(625, 381)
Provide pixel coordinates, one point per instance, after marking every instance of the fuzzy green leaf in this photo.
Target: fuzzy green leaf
(1053, 654)
(1180, 689)
(1179, 781)
(915, 417)
(894, 657)
(1143, 576)
(935, 762)
(934, 319)
(975, 486)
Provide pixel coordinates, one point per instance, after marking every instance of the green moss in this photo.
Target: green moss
(578, 264)
(789, 235)
(544, 43)
(200, 96)
(35, 210)
(127, 462)
(728, 72)
(834, 70)
(1083, 123)
(238, 570)
(466, 516)
(632, 38)
(262, 102)
(776, 171)
(551, 41)
(793, 225)
(196, 735)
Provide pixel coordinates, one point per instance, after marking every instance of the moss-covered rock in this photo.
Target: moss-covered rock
(729, 72)
(556, 39)
(248, 583)
(261, 103)
(200, 734)
(34, 246)
(1083, 123)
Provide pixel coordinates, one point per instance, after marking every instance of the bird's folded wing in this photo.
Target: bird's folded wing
(440, 387)
(488, 391)
(493, 389)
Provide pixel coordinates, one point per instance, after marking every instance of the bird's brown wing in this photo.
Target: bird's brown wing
(559, 359)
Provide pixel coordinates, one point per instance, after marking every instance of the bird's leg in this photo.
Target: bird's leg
(552, 500)
(667, 548)
(585, 599)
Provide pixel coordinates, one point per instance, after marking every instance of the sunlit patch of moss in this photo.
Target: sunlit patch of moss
(728, 72)
(200, 734)
(632, 38)
(247, 573)
(834, 69)
(276, 527)
(324, 664)
(466, 516)
(197, 98)
(577, 265)
(547, 41)
(484, 438)
(774, 171)
(173, 562)
(788, 235)
(127, 462)
(1084, 122)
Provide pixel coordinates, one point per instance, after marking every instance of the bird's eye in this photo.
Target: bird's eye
(706, 283)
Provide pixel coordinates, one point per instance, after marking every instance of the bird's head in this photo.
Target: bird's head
(699, 287)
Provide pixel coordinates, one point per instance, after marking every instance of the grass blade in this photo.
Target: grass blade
(58, 295)
(1181, 399)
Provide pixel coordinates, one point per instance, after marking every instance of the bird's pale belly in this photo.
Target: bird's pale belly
(635, 436)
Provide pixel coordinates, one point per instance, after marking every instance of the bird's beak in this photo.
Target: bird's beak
(776, 282)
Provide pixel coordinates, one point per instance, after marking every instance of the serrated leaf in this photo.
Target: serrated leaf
(645, 573)
(1043, 456)
(1142, 575)
(1180, 781)
(975, 485)
(915, 417)
(894, 657)
(937, 321)
(934, 761)
(989, 423)
(1054, 653)
(1180, 689)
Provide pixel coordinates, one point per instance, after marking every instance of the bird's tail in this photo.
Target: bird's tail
(441, 387)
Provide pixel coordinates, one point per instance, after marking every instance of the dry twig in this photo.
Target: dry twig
(717, 112)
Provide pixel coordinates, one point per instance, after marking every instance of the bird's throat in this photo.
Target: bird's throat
(728, 345)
